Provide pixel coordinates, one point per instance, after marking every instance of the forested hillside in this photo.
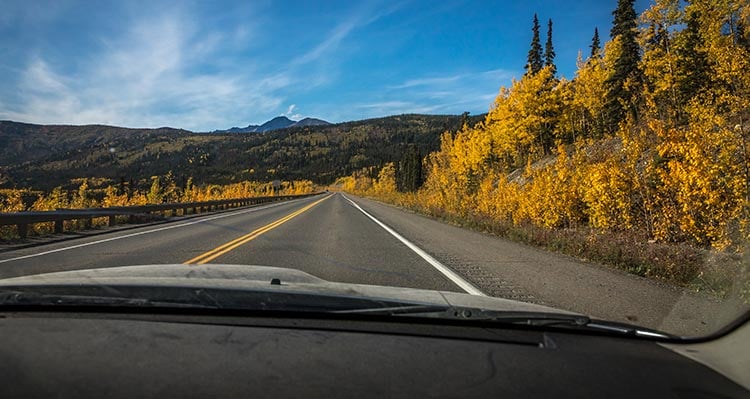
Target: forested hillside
(648, 139)
(43, 157)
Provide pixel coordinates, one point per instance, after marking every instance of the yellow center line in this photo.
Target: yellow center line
(224, 248)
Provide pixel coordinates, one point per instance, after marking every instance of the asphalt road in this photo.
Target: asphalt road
(348, 239)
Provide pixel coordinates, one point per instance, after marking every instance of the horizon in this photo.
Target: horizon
(231, 127)
(204, 67)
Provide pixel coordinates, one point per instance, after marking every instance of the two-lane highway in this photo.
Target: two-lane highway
(323, 235)
(348, 239)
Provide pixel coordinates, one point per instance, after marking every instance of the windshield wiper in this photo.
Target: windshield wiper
(16, 298)
(120, 297)
(395, 310)
(461, 313)
(571, 321)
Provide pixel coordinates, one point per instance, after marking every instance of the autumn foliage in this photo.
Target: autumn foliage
(163, 189)
(674, 168)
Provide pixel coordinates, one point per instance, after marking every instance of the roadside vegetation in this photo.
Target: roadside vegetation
(163, 189)
(639, 161)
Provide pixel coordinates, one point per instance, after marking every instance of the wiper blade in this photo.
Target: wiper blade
(460, 313)
(395, 310)
(200, 298)
(13, 298)
(562, 320)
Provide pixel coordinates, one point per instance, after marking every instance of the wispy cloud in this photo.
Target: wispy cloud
(174, 66)
(441, 81)
(449, 93)
(147, 76)
(427, 81)
(291, 114)
(397, 107)
(360, 18)
(386, 104)
(330, 43)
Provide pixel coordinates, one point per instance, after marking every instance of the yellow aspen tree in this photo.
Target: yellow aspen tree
(659, 61)
(11, 201)
(385, 185)
(112, 198)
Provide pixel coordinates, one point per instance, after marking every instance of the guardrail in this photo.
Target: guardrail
(22, 220)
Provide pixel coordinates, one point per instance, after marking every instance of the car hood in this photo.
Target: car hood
(255, 278)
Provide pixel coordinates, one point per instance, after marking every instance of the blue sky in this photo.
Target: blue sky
(207, 65)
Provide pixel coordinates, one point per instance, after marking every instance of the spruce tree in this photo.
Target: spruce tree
(534, 61)
(692, 62)
(409, 172)
(549, 51)
(595, 44)
(618, 100)
(464, 120)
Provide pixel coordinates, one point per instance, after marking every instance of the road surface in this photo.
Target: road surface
(348, 239)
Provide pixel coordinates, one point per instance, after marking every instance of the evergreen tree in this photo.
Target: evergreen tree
(619, 100)
(595, 44)
(549, 51)
(409, 172)
(624, 22)
(534, 61)
(464, 120)
(692, 64)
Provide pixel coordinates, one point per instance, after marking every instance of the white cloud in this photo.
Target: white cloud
(147, 77)
(449, 80)
(427, 82)
(362, 17)
(397, 107)
(290, 110)
(40, 78)
(291, 113)
(330, 43)
(150, 75)
(451, 93)
(386, 104)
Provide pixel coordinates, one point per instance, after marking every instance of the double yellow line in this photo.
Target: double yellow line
(222, 249)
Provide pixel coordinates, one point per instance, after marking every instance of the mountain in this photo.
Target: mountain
(311, 122)
(46, 156)
(248, 129)
(279, 122)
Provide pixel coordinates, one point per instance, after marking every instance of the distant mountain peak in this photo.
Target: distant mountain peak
(279, 122)
(276, 123)
(311, 122)
(281, 118)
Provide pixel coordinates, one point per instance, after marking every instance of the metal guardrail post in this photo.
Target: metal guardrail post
(23, 230)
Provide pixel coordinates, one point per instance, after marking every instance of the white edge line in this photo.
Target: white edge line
(445, 270)
(201, 220)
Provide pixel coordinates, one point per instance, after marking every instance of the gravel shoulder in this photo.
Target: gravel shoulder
(512, 270)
